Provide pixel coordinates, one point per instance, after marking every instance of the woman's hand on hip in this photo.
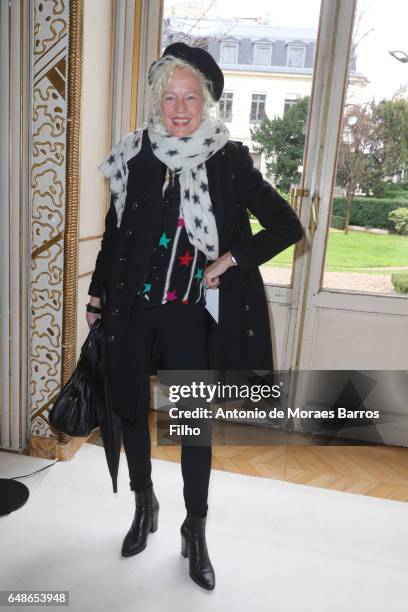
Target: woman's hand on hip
(213, 272)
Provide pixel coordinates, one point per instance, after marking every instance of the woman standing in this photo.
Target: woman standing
(177, 223)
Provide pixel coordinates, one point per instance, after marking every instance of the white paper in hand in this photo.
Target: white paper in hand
(212, 302)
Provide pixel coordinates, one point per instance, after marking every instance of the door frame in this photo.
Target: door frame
(309, 299)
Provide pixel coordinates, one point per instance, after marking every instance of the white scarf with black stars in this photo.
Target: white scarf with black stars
(185, 156)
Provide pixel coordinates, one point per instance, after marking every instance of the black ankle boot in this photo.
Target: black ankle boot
(194, 546)
(144, 521)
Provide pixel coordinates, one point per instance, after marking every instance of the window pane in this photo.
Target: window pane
(261, 55)
(228, 53)
(295, 56)
(254, 108)
(290, 101)
(257, 107)
(225, 106)
(367, 249)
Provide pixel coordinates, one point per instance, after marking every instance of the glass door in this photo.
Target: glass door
(268, 61)
(353, 308)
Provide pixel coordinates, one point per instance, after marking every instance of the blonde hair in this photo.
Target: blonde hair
(161, 77)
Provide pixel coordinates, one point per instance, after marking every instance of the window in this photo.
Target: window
(225, 106)
(258, 107)
(229, 53)
(290, 100)
(296, 56)
(262, 55)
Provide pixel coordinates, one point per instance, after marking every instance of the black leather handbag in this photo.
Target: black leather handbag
(78, 407)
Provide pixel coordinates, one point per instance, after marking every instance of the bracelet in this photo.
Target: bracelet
(93, 309)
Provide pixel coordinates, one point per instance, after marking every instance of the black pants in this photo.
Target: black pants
(177, 335)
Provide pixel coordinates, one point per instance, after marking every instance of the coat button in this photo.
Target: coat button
(250, 332)
(135, 205)
(123, 258)
(120, 285)
(222, 151)
(128, 233)
(110, 338)
(233, 175)
(115, 312)
(246, 307)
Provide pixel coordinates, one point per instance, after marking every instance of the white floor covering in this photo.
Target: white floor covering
(275, 546)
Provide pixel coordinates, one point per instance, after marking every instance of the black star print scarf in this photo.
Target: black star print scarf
(185, 156)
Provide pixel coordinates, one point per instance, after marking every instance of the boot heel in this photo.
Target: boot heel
(183, 546)
(155, 522)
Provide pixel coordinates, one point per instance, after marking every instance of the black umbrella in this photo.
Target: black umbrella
(84, 403)
(108, 420)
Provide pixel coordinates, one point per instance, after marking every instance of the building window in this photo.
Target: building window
(296, 56)
(229, 53)
(225, 106)
(290, 100)
(262, 55)
(258, 107)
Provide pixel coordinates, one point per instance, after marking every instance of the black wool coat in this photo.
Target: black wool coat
(242, 337)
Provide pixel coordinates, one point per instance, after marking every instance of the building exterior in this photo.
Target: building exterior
(266, 68)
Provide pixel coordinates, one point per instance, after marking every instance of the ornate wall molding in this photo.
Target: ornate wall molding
(57, 39)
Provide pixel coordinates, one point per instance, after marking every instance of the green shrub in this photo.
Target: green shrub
(284, 194)
(337, 222)
(400, 282)
(368, 211)
(391, 190)
(399, 218)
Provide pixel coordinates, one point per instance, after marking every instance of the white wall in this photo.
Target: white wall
(95, 143)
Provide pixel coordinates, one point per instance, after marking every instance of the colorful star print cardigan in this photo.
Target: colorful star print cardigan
(176, 267)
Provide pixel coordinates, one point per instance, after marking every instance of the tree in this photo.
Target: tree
(391, 117)
(357, 162)
(373, 148)
(282, 141)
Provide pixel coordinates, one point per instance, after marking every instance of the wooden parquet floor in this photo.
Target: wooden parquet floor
(377, 471)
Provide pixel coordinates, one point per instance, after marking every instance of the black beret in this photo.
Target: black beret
(200, 59)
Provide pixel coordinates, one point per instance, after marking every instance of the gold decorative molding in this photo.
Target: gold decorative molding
(47, 245)
(86, 238)
(57, 93)
(74, 84)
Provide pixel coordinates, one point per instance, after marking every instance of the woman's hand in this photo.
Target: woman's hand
(90, 316)
(213, 272)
